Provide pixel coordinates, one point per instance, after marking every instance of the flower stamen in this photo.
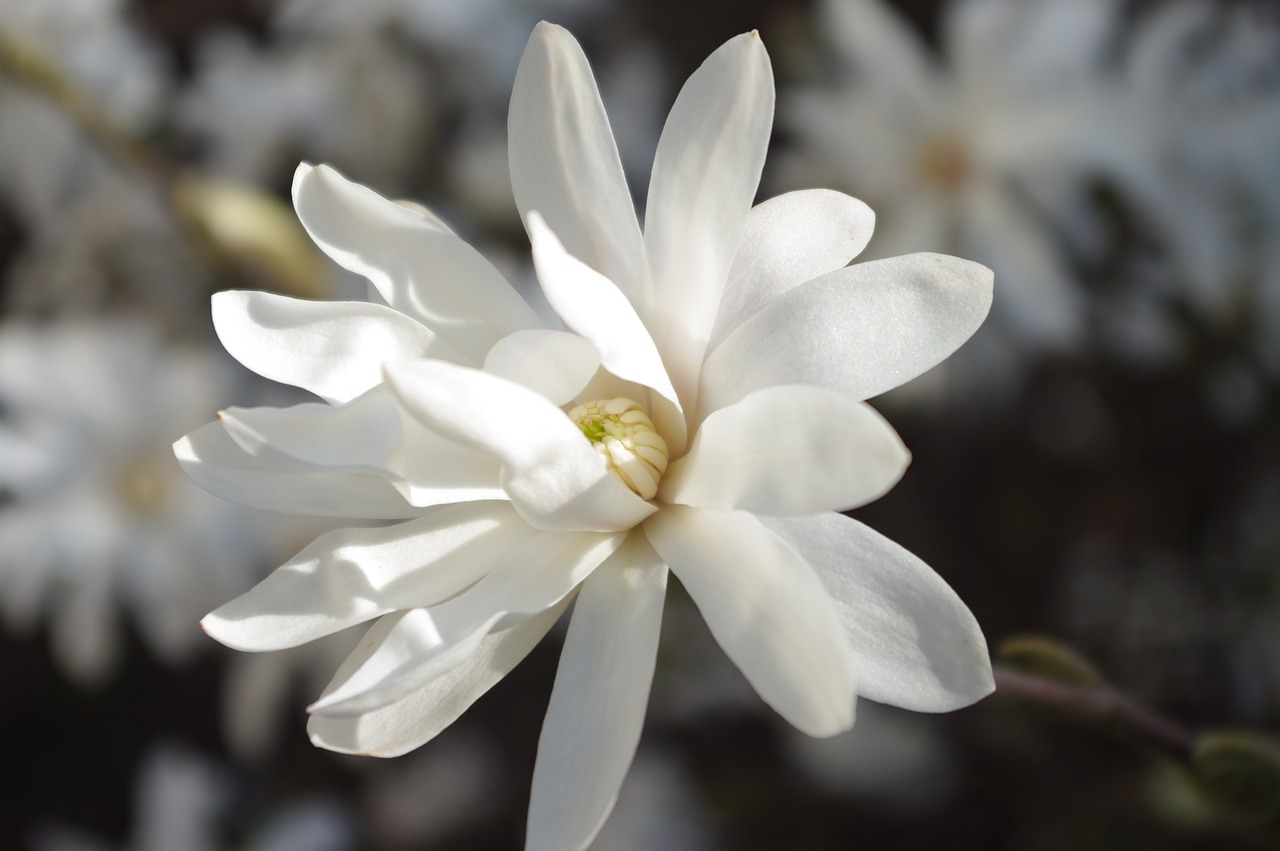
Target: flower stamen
(623, 436)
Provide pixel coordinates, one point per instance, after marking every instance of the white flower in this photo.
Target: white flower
(97, 516)
(725, 337)
(968, 153)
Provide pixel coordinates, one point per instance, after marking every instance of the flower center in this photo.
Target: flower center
(622, 435)
(944, 164)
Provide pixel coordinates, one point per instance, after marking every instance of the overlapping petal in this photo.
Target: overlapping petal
(705, 174)
(915, 644)
(788, 450)
(556, 364)
(427, 643)
(370, 434)
(786, 241)
(549, 470)
(564, 161)
(861, 330)
(335, 349)
(218, 464)
(349, 576)
(419, 267)
(414, 720)
(592, 305)
(766, 608)
(598, 703)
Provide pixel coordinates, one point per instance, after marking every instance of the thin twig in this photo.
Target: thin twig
(1099, 706)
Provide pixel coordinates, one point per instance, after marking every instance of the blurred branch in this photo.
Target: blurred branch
(1238, 771)
(234, 231)
(1098, 706)
(30, 68)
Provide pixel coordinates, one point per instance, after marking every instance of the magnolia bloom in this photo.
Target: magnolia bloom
(702, 411)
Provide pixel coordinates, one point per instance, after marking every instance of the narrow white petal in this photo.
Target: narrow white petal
(592, 305)
(705, 175)
(416, 719)
(419, 267)
(370, 434)
(766, 608)
(349, 576)
(564, 162)
(788, 450)
(598, 703)
(788, 240)
(915, 643)
(427, 643)
(556, 364)
(218, 464)
(549, 470)
(861, 330)
(335, 349)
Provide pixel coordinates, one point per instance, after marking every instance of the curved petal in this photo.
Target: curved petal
(592, 305)
(860, 330)
(370, 434)
(767, 610)
(787, 241)
(915, 643)
(420, 268)
(705, 175)
(335, 349)
(598, 703)
(788, 450)
(556, 364)
(416, 719)
(428, 643)
(564, 162)
(549, 470)
(215, 462)
(349, 576)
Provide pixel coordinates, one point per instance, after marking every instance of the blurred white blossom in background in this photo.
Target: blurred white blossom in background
(972, 152)
(98, 519)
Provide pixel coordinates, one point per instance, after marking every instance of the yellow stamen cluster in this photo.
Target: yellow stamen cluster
(622, 434)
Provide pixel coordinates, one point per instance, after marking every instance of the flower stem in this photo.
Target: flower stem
(1101, 707)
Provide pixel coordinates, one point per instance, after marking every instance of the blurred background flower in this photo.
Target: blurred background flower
(1101, 464)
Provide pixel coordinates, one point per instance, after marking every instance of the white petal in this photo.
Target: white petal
(549, 470)
(860, 330)
(766, 608)
(219, 465)
(414, 720)
(556, 364)
(419, 267)
(428, 643)
(788, 450)
(705, 175)
(564, 162)
(598, 704)
(349, 576)
(788, 240)
(915, 643)
(335, 349)
(592, 305)
(370, 434)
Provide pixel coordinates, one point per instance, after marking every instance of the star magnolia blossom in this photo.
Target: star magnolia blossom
(703, 412)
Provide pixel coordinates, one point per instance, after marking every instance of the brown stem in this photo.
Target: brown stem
(1098, 706)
